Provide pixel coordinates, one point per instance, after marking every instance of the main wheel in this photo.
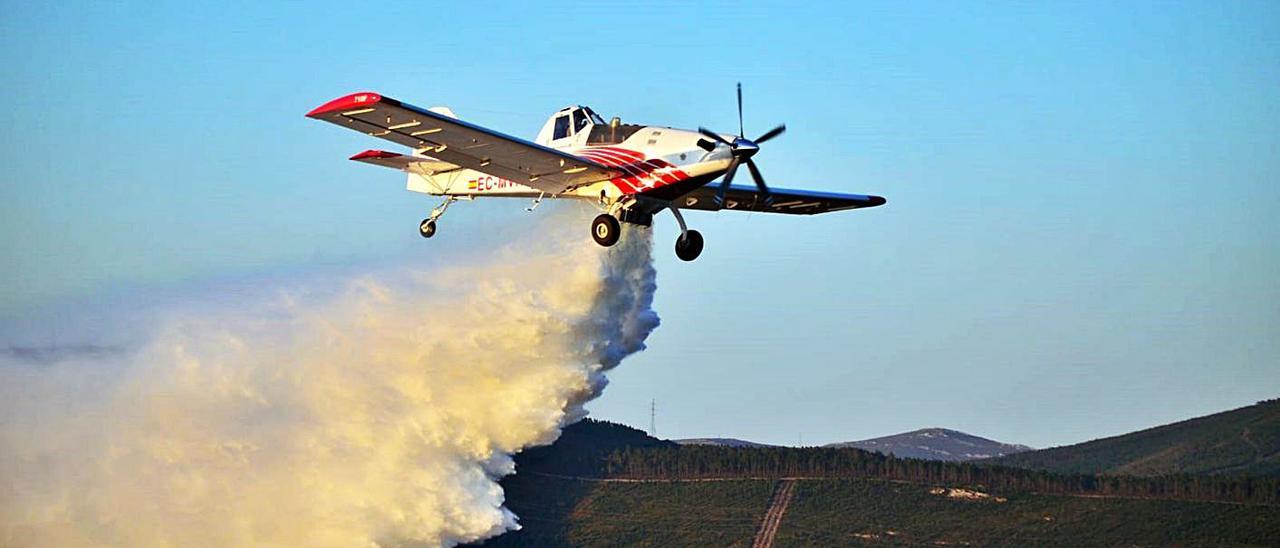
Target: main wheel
(427, 228)
(689, 246)
(606, 230)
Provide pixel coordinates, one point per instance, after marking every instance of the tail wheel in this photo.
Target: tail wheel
(689, 246)
(606, 230)
(427, 228)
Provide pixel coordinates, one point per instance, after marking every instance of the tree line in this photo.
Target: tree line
(705, 461)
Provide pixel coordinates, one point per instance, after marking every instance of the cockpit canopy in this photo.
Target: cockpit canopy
(579, 125)
(567, 123)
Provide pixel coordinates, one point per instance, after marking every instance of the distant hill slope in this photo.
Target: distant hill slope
(936, 444)
(1243, 441)
(723, 442)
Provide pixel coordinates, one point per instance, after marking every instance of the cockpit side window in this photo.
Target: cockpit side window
(562, 128)
(580, 120)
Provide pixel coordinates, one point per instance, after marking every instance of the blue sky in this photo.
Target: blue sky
(1080, 239)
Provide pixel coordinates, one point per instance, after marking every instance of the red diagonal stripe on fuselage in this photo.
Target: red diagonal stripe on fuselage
(622, 151)
(666, 176)
(642, 172)
(634, 164)
(628, 171)
(627, 184)
(623, 164)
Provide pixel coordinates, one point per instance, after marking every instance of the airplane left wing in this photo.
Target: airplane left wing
(795, 202)
(462, 144)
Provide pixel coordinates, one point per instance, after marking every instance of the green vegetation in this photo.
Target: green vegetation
(558, 512)
(705, 461)
(841, 512)
(1243, 441)
(608, 484)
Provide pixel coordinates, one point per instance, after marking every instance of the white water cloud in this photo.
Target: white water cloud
(377, 410)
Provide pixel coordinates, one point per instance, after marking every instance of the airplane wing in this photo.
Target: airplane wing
(462, 144)
(795, 202)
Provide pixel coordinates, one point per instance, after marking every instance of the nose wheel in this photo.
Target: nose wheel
(689, 245)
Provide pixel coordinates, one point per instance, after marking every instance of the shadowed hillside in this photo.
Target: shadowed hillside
(1243, 441)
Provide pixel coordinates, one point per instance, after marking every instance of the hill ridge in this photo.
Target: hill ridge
(936, 443)
(1241, 441)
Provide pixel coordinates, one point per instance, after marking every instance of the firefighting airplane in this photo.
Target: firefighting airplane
(630, 171)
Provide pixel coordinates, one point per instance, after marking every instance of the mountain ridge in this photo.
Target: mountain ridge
(936, 443)
(725, 442)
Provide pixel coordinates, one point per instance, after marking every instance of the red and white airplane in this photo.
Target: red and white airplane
(630, 171)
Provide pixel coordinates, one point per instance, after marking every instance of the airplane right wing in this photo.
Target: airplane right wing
(795, 202)
(462, 144)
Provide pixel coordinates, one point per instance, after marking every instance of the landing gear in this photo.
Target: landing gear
(689, 245)
(427, 228)
(606, 230)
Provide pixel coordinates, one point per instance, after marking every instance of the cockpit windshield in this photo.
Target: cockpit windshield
(580, 120)
(584, 117)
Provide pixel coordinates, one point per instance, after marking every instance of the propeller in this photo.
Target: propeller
(741, 150)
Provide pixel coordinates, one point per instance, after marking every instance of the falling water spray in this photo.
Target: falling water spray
(381, 411)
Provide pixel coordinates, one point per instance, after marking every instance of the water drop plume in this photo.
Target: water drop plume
(374, 410)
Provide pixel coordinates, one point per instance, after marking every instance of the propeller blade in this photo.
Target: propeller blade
(741, 132)
(714, 136)
(764, 189)
(728, 179)
(771, 133)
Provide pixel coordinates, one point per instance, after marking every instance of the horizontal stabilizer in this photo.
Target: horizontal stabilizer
(404, 162)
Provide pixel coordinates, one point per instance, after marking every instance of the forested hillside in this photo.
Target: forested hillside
(692, 462)
(1243, 441)
(605, 484)
(596, 449)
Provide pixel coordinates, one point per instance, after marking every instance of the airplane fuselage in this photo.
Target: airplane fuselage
(652, 159)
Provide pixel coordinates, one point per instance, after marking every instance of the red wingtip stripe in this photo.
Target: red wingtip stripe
(346, 102)
(375, 154)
